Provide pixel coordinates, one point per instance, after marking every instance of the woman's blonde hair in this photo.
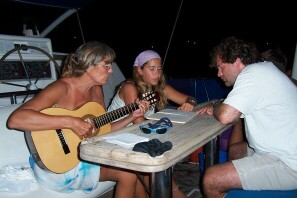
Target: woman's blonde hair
(87, 55)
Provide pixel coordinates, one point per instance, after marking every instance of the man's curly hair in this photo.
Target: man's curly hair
(231, 48)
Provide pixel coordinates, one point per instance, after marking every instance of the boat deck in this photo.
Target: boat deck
(187, 176)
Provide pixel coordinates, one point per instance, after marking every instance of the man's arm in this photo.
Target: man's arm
(225, 113)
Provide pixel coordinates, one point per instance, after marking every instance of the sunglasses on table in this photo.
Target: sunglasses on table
(160, 127)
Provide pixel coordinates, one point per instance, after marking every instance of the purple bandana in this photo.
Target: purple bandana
(144, 57)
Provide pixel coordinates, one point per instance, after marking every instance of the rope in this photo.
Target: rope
(180, 6)
(80, 28)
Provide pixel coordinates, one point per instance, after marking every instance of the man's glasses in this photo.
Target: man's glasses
(160, 127)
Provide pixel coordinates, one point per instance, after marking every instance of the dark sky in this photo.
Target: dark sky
(133, 26)
(199, 27)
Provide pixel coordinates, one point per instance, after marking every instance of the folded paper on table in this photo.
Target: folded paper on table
(126, 140)
(174, 115)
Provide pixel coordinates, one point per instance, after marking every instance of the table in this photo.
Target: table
(186, 138)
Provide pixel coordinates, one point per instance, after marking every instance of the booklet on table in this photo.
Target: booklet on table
(174, 115)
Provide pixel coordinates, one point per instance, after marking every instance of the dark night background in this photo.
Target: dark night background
(130, 27)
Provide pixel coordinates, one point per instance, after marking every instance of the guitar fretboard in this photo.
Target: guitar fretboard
(115, 114)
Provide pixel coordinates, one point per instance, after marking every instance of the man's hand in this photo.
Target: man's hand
(208, 109)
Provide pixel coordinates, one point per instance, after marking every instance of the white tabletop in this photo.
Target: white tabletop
(186, 138)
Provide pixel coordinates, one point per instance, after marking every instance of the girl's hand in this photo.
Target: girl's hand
(186, 107)
(143, 108)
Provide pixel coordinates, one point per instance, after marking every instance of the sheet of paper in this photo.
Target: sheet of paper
(126, 140)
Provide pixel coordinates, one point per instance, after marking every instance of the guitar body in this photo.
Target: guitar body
(48, 147)
(57, 150)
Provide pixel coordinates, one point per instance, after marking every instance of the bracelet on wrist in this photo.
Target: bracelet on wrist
(191, 101)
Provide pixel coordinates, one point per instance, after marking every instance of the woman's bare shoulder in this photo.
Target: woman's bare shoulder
(59, 85)
(48, 97)
(128, 92)
(128, 86)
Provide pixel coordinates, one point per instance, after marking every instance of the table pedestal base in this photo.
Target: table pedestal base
(161, 183)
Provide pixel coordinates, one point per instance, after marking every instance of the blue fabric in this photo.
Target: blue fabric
(262, 193)
(85, 177)
(201, 157)
(153, 147)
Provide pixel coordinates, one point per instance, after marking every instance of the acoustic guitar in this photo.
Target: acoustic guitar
(57, 150)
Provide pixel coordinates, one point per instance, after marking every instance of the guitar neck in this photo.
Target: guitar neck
(115, 114)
